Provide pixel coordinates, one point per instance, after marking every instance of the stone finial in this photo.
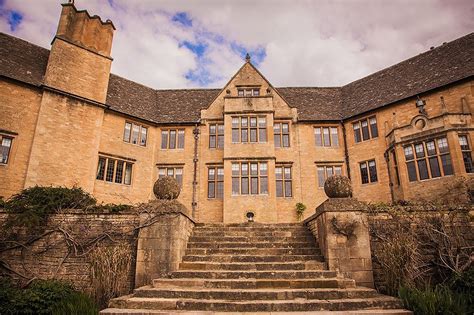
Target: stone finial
(338, 186)
(247, 57)
(166, 188)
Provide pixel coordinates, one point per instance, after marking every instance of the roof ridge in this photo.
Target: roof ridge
(425, 53)
(308, 87)
(23, 40)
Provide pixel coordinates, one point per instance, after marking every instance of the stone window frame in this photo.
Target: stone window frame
(215, 180)
(283, 180)
(248, 91)
(466, 152)
(280, 134)
(238, 129)
(247, 178)
(5, 151)
(108, 170)
(369, 166)
(325, 174)
(216, 137)
(176, 171)
(128, 133)
(179, 133)
(370, 125)
(332, 138)
(420, 159)
(395, 166)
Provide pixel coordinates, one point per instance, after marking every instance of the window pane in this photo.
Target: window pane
(277, 140)
(172, 139)
(240, 92)
(256, 92)
(262, 122)
(288, 190)
(430, 148)
(143, 136)
(248, 92)
(220, 173)
(412, 171)
(408, 153)
(253, 135)
(244, 135)
(423, 169)
(235, 185)
(286, 140)
(434, 167)
(334, 137)
(328, 171)
(211, 190)
(179, 176)
(253, 122)
(170, 172)
(262, 134)
(180, 139)
(364, 174)
(263, 169)
(235, 135)
(372, 171)
(327, 142)
(443, 145)
(264, 185)
(164, 139)
(279, 188)
(321, 176)
(245, 169)
(128, 174)
(235, 169)
(127, 132)
(337, 170)
(447, 166)
(365, 130)
(287, 173)
(135, 133)
(100, 168)
(244, 190)
(373, 127)
(161, 172)
(212, 141)
(5, 150)
(119, 172)
(220, 190)
(212, 129)
(279, 173)
(254, 169)
(254, 185)
(285, 128)
(211, 173)
(419, 150)
(277, 128)
(317, 137)
(244, 122)
(463, 142)
(220, 129)
(467, 158)
(110, 170)
(220, 141)
(357, 136)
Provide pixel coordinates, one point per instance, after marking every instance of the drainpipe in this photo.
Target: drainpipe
(346, 152)
(195, 162)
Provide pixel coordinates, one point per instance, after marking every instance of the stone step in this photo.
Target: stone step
(253, 251)
(256, 294)
(252, 239)
(249, 245)
(250, 258)
(255, 305)
(297, 265)
(129, 311)
(267, 228)
(248, 224)
(254, 283)
(246, 274)
(211, 233)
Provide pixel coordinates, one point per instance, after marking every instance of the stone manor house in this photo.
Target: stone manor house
(65, 120)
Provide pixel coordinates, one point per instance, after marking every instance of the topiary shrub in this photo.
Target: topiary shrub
(166, 188)
(338, 186)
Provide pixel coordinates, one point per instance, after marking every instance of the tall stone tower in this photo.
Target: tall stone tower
(73, 101)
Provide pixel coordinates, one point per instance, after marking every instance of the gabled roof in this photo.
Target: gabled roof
(451, 62)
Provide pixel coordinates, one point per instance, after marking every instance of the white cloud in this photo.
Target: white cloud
(307, 43)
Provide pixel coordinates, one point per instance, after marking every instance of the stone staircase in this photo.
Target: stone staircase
(253, 268)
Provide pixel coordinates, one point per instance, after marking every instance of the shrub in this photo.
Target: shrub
(300, 208)
(44, 297)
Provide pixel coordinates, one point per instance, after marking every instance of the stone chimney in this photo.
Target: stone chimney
(79, 62)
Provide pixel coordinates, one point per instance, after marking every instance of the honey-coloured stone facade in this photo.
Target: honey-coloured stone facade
(67, 112)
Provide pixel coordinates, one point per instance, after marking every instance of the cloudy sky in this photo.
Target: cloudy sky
(181, 44)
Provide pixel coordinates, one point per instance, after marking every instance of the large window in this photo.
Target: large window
(281, 133)
(114, 170)
(135, 134)
(284, 187)
(368, 172)
(428, 159)
(173, 171)
(172, 139)
(5, 149)
(365, 129)
(247, 92)
(215, 182)
(249, 129)
(326, 136)
(249, 178)
(216, 136)
(326, 171)
(466, 153)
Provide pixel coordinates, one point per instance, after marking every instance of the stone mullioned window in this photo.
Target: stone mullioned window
(135, 134)
(326, 171)
(283, 175)
(216, 136)
(247, 92)
(368, 171)
(428, 159)
(172, 139)
(215, 182)
(249, 178)
(326, 136)
(173, 171)
(6, 145)
(281, 134)
(365, 129)
(247, 129)
(114, 170)
(466, 153)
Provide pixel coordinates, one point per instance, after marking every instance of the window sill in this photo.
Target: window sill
(112, 183)
(3, 164)
(135, 145)
(366, 141)
(250, 195)
(172, 149)
(431, 179)
(370, 184)
(215, 199)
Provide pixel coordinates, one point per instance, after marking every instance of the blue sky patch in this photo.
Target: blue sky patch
(14, 19)
(198, 49)
(257, 54)
(183, 19)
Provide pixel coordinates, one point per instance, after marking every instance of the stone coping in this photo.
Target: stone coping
(338, 205)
